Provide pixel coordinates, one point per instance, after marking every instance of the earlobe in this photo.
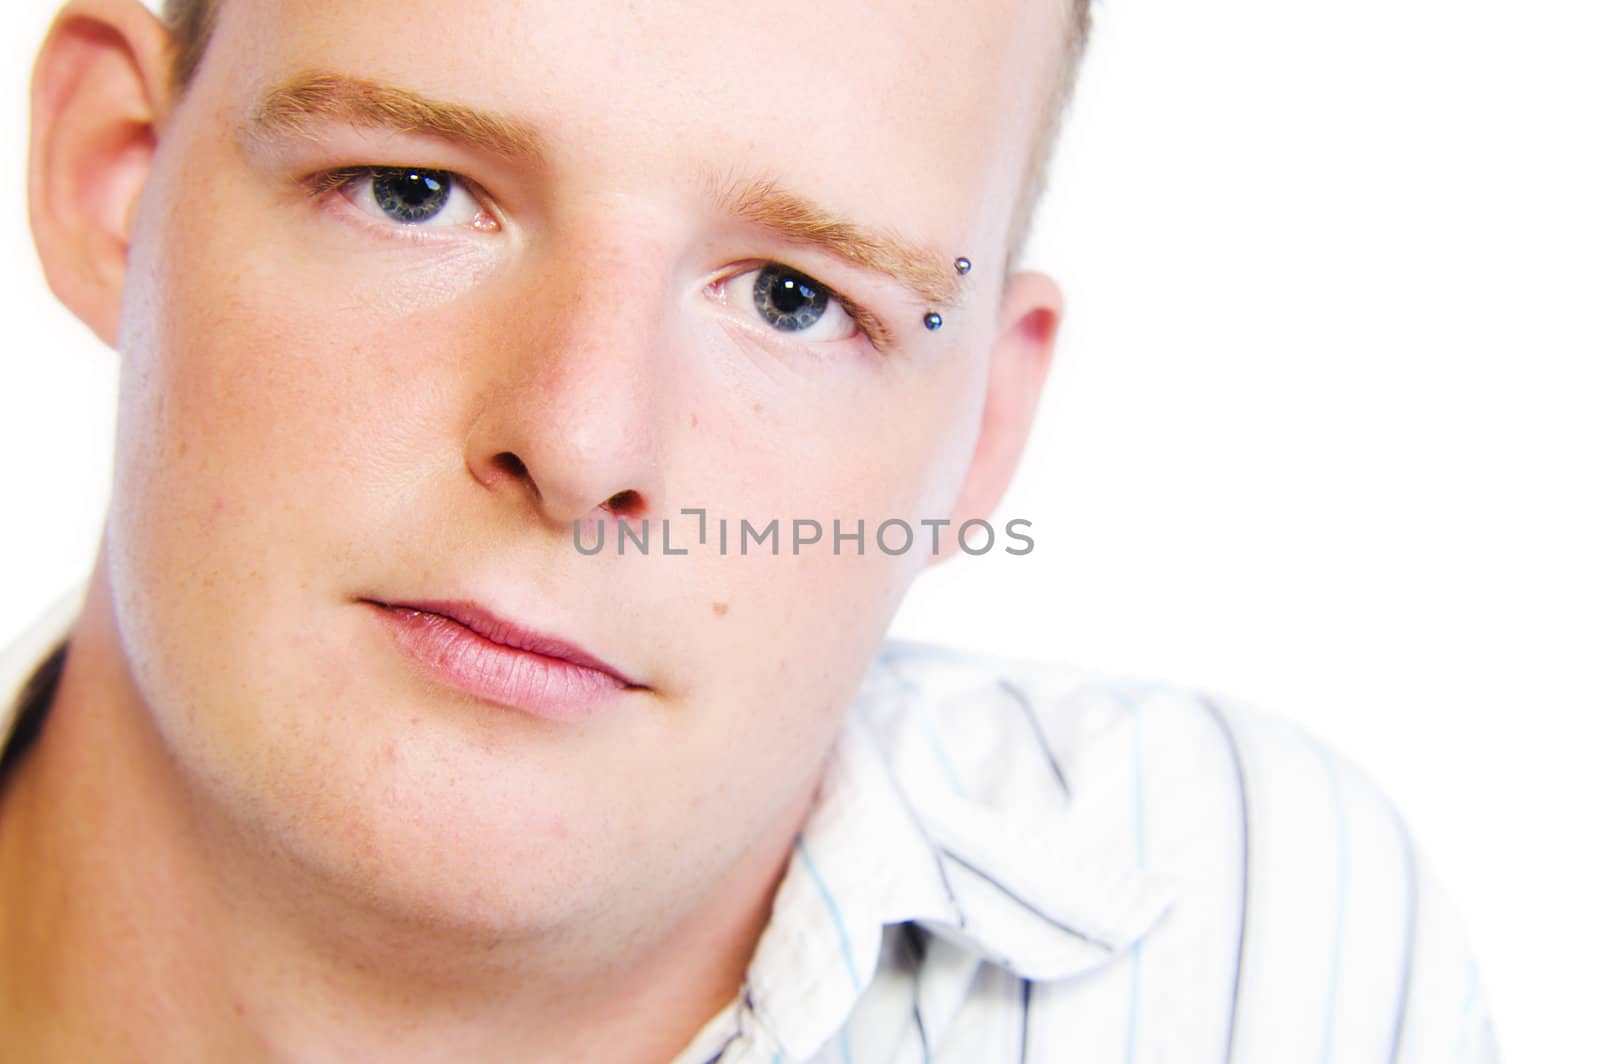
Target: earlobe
(99, 97)
(1030, 315)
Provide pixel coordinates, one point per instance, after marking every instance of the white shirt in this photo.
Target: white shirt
(1040, 863)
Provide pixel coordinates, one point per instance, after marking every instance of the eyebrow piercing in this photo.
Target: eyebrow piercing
(963, 265)
(932, 321)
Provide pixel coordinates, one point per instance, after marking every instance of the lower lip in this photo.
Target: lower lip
(541, 686)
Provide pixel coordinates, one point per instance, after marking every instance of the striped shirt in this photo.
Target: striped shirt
(1012, 861)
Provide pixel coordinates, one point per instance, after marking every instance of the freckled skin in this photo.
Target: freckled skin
(312, 413)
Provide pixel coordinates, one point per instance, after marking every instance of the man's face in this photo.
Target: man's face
(325, 407)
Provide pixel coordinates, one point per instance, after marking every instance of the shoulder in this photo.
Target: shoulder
(1284, 791)
(1304, 913)
(1175, 744)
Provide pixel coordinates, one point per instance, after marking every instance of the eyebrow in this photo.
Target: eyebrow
(766, 203)
(296, 106)
(293, 107)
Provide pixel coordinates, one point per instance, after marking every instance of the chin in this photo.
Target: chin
(389, 810)
(425, 856)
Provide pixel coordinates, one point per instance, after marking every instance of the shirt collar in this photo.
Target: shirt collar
(21, 657)
(981, 799)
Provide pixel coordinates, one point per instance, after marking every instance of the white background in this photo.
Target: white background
(1321, 434)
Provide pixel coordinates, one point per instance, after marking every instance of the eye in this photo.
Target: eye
(788, 301)
(411, 196)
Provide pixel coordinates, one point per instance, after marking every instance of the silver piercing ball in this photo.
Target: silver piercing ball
(932, 321)
(963, 265)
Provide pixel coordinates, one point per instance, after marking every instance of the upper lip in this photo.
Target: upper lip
(485, 623)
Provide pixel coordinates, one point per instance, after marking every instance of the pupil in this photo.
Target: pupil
(790, 294)
(418, 188)
(411, 196)
(789, 301)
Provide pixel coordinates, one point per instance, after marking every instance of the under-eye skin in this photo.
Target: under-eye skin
(407, 197)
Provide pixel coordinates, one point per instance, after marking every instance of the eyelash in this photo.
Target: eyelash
(322, 183)
(319, 184)
(871, 326)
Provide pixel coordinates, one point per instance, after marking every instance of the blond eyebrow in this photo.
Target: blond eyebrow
(295, 106)
(766, 203)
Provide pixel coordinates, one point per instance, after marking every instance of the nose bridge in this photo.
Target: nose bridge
(606, 294)
(577, 403)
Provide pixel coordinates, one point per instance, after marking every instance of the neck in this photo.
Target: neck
(135, 924)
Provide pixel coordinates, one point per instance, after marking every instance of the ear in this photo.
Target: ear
(99, 97)
(1030, 315)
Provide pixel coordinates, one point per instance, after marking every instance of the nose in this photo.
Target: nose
(567, 425)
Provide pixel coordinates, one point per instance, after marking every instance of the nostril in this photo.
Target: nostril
(624, 503)
(507, 462)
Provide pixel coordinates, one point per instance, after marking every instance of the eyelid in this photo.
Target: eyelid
(874, 328)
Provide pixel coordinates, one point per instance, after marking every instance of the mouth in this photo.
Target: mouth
(479, 653)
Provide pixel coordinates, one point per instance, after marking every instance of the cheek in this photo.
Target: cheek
(269, 426)
(274, 401)
(859, 448)
(270, 367)
(846, 435)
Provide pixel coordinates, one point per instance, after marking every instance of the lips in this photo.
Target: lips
(475, 651)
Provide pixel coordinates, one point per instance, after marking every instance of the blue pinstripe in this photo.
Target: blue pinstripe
(838, 927)
(833, 911)
(908, 689)
(943, 756)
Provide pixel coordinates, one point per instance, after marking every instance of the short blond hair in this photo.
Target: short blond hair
(191, 23)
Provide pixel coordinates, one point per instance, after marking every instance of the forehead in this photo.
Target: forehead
(932, 104)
